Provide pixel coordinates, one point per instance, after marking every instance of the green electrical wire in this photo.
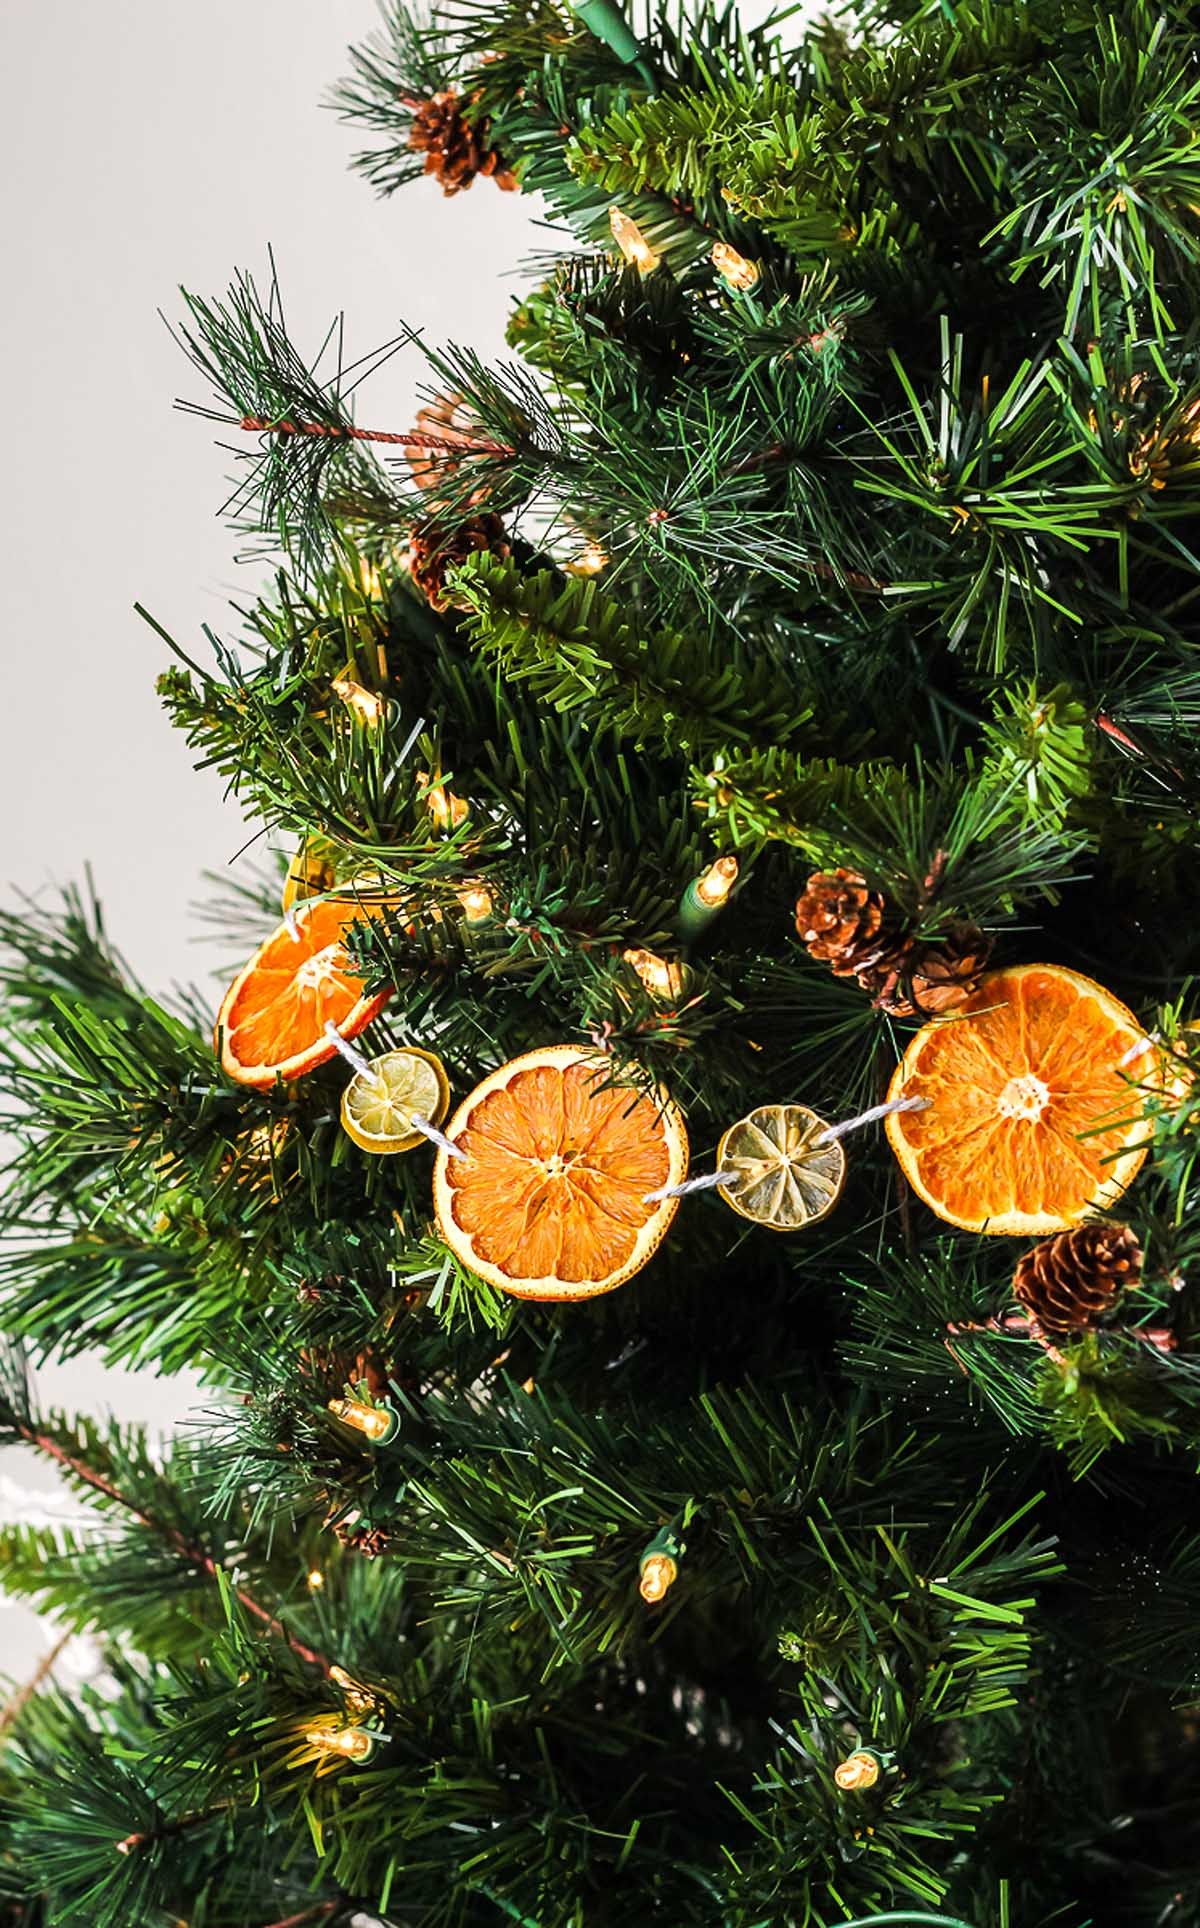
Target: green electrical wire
(926, 1921)
(608, 23)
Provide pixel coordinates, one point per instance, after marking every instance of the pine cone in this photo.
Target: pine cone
(455, 150)
(931, 978)
(1068, 1282)
(442, 417)
(370, 1541)
(844, 923)
(946, 973)
(433, 551)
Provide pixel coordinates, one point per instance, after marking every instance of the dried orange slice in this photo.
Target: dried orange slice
(782, 1177)
(272, 1021)
(1033, 1117)
(548, 1200)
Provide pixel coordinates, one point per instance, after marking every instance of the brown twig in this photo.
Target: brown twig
(44, 1443)
(459, 445)
(339, 432)
(180, 1825)
(1014, 1323)
(14, 1708)
(1018, 1325)
(318, 1913)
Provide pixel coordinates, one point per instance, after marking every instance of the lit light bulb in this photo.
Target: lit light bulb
(857, 1772)
(477, 902)
(717, 882)
(590, 560)
(353, 1743)
(659, 1573)
(379, 1423)
(366, 704)
(632, 242)
(733, 268)
(706, 896)
(663, 979)
(316, 1580)
(447, 810)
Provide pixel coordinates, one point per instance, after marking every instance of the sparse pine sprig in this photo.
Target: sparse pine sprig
(292, 412)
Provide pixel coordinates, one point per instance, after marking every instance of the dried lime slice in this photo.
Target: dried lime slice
(780, 1176)
(378, 1104)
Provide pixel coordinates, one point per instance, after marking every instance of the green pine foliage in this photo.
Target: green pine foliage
(884, 560)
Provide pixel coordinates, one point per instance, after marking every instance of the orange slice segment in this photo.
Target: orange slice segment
(272, 1021)
(548, 1200)
(1033, 1119)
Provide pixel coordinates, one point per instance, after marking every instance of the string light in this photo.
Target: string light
(733, 268)
(658, 1573)
(632, 242)
(366, 704)
(378, 1423)
(448, 811)
(857, 1772)
(477, 902)
(316, 1579)
(352, 1743)
(706, 895)
(658, 1568)
(590, 560)
(661, 977)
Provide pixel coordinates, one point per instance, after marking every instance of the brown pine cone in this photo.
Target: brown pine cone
(946, 973)
(455, 150)
(843, 922)
(370, 1541)
(366, 1368)
(442, 417)
(931, 978)
(433, 551)
(1068, 1282)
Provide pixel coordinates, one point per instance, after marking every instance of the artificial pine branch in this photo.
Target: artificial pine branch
(581, 655)
(49, 1442)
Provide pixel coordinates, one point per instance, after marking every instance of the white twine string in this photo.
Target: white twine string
(344, 1048)
(703, 1183)
(1136, 1050)
(435, 1136)
(831, 1132)
(707, 1180)
(354, 1057)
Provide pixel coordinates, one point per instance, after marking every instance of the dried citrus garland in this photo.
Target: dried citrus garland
(1015, 1116)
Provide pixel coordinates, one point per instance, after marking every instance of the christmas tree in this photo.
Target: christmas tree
(686, 1220)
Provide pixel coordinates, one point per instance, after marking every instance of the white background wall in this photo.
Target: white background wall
(145, 143)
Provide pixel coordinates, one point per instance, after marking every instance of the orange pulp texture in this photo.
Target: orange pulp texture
(273, 1019)
(1033, 1119)
(549, 1201)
